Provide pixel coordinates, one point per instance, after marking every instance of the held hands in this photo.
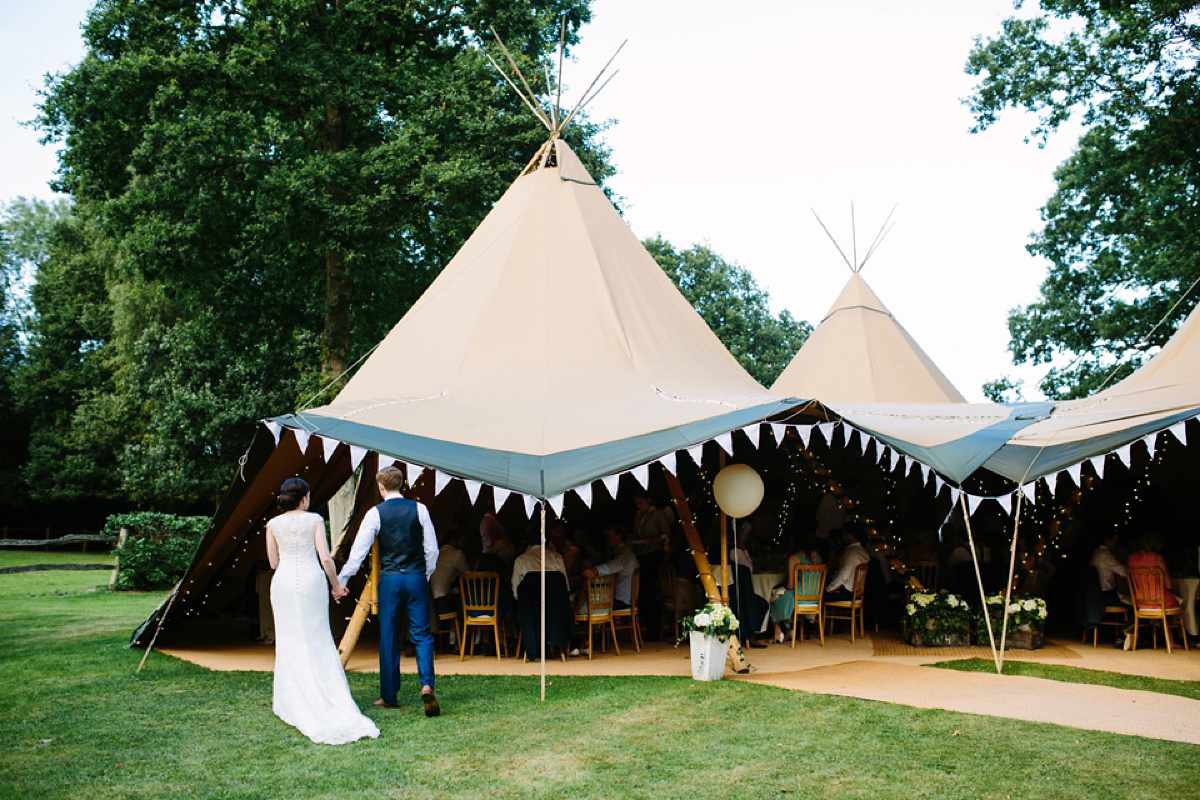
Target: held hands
(340, 591)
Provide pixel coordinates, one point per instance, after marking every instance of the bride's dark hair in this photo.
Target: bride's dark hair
(291, 493)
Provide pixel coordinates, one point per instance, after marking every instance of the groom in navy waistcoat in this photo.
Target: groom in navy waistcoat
(408, 552)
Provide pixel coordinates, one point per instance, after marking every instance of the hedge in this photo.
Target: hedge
(158, 548)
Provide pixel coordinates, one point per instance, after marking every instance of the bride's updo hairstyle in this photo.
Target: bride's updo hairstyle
(291, 493)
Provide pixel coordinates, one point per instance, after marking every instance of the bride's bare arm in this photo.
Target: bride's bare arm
(323, 554)
(272, 548)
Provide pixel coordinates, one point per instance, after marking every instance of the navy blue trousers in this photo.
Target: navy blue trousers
(403, 594)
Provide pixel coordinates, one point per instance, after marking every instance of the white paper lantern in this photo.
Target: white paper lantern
(738, 490)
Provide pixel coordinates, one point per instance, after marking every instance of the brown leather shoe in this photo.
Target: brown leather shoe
(432, 709)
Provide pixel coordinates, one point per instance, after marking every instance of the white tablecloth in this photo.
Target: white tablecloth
(764, 582)
(1187, 588)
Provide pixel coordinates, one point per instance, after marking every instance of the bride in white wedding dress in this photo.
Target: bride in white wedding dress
(311, 691)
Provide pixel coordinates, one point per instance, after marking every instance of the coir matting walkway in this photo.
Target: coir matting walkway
(1075, 705)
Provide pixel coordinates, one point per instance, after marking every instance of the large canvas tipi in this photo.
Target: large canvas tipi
(552, 352)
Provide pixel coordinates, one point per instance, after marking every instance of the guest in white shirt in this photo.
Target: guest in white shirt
(841, 587)
(531, 561)
(622, 564)
(1108, 567)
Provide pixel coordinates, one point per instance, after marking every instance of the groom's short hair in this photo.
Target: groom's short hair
(390, 478)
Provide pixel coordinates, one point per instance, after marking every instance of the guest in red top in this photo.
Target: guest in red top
(1149, 555)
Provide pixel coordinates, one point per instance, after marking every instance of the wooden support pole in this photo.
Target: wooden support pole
(368, 603)
(737, 657)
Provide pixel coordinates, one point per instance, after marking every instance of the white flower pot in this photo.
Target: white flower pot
(708, 656)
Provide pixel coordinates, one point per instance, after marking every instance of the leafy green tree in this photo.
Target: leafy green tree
(66, 371)
(1122, 230)
(275, 182)
(728, 298)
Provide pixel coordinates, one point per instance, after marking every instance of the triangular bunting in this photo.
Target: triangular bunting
(805, 434)
(611, 483)
(1123, 454)
(1179, 431)
(778, 431)
(357, 454)
(925, 470)
(440, 481)
(385, 461)
(864, 441)
(302, 437)
(1149, 440)
(330, 446)
(584, 493)
(886, 458)
(938, 483)
(414, 474)
(696, 452)
(1006, 502)
(752, 433)
(1075, 471)
(641, 474)
(973, 503)
(530, 504)
(668, 462)
(473, 488)
(826, 429)
(1098, 465)
(274, 428)
(1030, 490)
(954, 493)
(556, 503)
(499, 496)
(725, 440)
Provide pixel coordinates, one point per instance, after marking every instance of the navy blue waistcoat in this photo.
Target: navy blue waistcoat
(401, 537)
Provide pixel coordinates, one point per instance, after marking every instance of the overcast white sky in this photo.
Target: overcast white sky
(734, 119)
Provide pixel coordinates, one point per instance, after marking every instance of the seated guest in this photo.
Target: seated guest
(1149, 554)
(841, 585)
(1108, 567)
(527, 588)
(531, 561)
(570, 552)
(444, 580)
(750, 609)
(622, 563)
(490, 534)
(783, 606)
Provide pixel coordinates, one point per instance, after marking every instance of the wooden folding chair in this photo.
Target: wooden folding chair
(809, 599)
(1146, 588)
(481, 600)
(628, 617)
(598, 592)
(852, 608)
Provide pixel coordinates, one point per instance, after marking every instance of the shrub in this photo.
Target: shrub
(157, 549)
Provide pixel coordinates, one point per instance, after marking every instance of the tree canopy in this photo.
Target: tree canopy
(728, 298)
(262, 188)
(1122, 229)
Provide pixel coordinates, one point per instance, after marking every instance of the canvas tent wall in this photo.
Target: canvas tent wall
(860, 353)
(551, 352)
(1022, 442)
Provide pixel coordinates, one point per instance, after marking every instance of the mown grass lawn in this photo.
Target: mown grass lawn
(76, 721)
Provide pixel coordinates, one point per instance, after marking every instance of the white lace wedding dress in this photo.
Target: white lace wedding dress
(311, 692)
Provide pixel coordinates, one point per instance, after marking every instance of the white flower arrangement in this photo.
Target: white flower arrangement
(1024, 613)
(935, 615)
(715, 619)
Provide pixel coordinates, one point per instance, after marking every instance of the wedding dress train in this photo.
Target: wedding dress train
(311, 692)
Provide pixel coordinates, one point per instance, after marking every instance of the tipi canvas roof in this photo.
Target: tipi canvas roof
(551, 351)
(860, 353)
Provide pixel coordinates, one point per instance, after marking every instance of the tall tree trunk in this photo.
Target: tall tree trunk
(339, 284)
